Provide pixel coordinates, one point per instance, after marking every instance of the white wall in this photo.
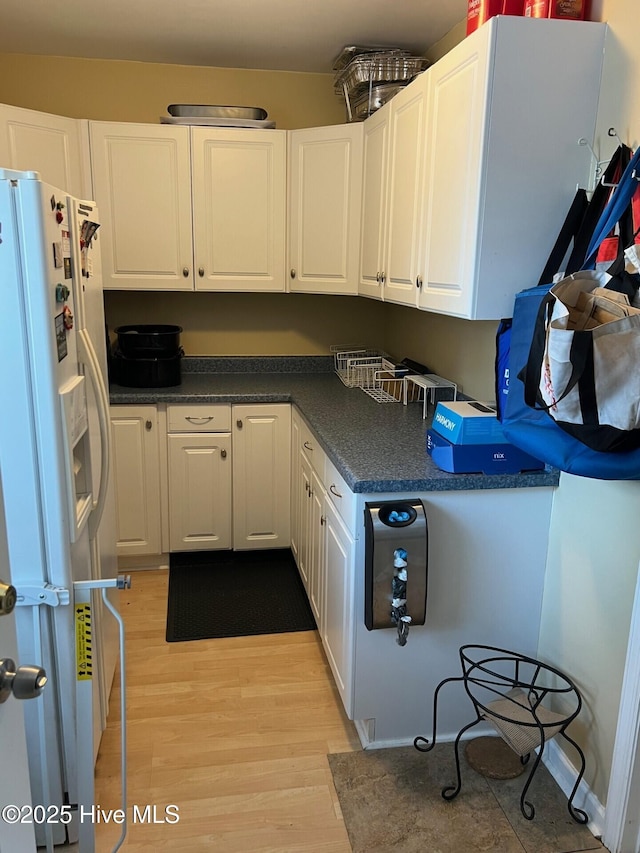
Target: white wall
(594, 545)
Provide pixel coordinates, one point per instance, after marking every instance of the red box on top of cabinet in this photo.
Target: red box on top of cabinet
(574, 10)
(479, 11)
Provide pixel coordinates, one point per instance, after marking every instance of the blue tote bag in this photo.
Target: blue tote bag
(533, 430)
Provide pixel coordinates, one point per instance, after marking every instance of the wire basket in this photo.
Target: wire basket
(374, 372)
(354, 363)
(385, 386)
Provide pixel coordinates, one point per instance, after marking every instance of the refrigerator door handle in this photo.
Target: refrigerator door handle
(89, 358)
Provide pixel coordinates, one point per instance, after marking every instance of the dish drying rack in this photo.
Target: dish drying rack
(370, 370)
(383, 380)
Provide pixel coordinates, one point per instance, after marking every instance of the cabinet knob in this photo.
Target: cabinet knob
(292, 273)
(148, 425)
(223, 453)
(185, 272)
(239, 423)
(419, 281)
(201, 272)
(8, 597)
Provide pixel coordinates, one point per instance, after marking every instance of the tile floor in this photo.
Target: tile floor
(391, 801)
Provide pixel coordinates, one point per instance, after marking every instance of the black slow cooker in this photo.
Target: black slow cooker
(148, 356)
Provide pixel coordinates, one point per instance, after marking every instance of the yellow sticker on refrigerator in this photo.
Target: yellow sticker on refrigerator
(84, 643)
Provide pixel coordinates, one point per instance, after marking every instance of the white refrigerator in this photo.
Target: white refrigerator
(54, 462)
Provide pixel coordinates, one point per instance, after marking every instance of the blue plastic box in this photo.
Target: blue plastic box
(467, 422)
(499, 458)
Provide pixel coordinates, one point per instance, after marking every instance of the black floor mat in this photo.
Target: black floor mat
(235, 594)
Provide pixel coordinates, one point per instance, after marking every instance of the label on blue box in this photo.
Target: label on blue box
(499, 458)
(468, 422)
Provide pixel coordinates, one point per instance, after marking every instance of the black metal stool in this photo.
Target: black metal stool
(507, 689)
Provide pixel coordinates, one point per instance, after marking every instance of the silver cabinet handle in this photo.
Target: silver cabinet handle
(239, 423)
(419, 281)
(307, 445)
(198, 419)
(378, 277)
(292, 273)
(383, 277)
(201, 272)
(223, 453)
(334, 491)
(148, 425)
(185, 272)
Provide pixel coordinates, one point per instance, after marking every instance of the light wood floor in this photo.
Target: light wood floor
(235, 732)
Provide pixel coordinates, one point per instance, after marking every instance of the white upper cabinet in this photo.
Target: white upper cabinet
(239, 204)
(393, 197)
(506, 109)
(374, 190)
(325, 172)
(142, 184)
(231, 238)
(405, 194)
(44, 143)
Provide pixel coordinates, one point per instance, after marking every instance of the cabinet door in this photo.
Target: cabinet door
(337, 623)
(295, 485)
(261, 476)
(199, 491)
(136, 473)
(374, 189)
(44, 143)
(304, 515)
(405, 195)
(458, 109)
(316, 591)
(324, 209)
(239, 198)
(142, 184)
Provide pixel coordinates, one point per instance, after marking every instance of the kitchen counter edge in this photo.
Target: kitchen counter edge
(376, 447)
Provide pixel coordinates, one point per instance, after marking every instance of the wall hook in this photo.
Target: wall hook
(613, 133)
(598, 165)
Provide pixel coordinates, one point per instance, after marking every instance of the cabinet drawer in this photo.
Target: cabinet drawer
(340, 495)
(189, 417)
(311, 448)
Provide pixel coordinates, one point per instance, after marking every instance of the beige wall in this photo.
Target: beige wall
(141, 91)
(254, 323)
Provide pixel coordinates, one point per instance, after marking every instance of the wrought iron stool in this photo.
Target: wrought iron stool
(508, 690)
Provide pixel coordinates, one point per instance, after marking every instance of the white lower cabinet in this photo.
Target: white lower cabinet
(316, 548)
(261, 476)
(199, 491)
(337, 624)
(136, 471)
(324, 519)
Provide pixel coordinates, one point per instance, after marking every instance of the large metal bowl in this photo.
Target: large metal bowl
(216, 111)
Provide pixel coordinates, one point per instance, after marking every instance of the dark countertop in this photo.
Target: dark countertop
(377, 447)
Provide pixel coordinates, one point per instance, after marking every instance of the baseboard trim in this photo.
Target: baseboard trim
(564, 773)
(152, 562)
(366, 732)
